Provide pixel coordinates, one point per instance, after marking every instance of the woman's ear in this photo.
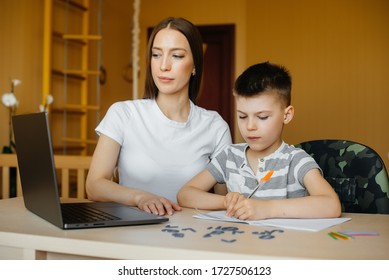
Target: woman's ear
(288, 114)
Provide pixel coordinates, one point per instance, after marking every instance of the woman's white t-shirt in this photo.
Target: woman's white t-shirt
(157, 154)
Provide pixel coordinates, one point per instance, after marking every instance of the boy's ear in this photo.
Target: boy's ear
(288, 114)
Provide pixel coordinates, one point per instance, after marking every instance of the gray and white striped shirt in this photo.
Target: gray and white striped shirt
(290, 165)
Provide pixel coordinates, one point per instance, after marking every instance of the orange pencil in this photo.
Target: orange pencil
(330, 234)
(262, 182)
(341, 236)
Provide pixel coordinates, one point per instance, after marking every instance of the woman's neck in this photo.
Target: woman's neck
(176, 109)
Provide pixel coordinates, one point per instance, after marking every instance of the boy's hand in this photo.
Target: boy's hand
(231, 200)
(248, 209)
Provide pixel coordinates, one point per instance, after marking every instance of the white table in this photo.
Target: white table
(24, 235)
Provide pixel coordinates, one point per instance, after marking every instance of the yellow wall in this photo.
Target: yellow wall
(336, 51)
(20, 56)
(116, 29)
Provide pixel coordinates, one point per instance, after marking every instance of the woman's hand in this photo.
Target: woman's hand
(156, 204)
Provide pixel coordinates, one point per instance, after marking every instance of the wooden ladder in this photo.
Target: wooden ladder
(69, 72)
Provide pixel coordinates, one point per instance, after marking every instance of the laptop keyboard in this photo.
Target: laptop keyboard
(80, 213)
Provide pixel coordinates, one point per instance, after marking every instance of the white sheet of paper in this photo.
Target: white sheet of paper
(296, 224)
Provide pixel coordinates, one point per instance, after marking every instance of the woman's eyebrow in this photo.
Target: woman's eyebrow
(172, 49)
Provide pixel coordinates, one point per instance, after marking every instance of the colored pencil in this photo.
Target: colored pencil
(262, 182)
(341, 236)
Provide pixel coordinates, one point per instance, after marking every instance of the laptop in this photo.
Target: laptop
(40, 189)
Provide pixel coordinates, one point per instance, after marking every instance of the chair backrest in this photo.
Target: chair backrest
(71, 172)
(9, 176)
(355, 171)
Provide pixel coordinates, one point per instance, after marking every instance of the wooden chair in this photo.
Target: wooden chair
(8, 161)
(71, 174)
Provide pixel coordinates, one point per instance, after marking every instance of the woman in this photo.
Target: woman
(162, 141)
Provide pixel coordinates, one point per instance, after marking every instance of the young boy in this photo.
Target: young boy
(296, 189)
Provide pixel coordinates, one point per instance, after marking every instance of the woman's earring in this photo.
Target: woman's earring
(194, 71)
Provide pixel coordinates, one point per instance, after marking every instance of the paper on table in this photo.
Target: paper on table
(296, 224)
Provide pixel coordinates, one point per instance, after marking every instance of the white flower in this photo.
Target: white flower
(16, 82)
(9, 100)
(49, 99)
(44, 107)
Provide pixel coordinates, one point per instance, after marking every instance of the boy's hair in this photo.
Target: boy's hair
(263, 77)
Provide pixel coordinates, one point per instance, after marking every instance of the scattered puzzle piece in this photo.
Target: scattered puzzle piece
(267, 234)
(175, 231)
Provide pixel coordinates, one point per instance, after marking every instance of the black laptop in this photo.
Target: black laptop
(40, 190)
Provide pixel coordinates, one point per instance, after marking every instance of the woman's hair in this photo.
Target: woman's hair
(193, 36)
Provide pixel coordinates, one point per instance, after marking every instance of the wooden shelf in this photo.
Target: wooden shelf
(82, 141)
(79, 37)
(68, 75)
(72, 46)
(60, 36)
(68, 148)
(74, 109)
(81, 107)
(80, 72)
(70, 112)
(74, 4)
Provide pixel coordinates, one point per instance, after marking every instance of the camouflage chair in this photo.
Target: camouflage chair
(356, 172)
